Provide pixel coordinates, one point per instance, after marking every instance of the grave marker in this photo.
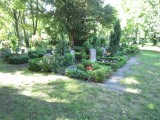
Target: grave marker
(92, 55)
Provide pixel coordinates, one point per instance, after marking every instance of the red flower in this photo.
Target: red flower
(89, 68)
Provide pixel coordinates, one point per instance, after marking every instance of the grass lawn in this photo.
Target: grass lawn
(27, 96)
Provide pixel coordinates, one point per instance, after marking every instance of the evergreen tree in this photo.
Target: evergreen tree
(115, 38)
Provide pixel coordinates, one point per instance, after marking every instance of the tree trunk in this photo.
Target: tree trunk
(71, 39)
(26, 39)
(34, 16)
(16, 21)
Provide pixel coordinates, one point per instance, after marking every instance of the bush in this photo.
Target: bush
(84, 55)
(6, 53)
(38, 53)
(100, 74)
(86, 63)
(68, 59)
(97, 74)
(95, 66)
(18, 59)
(86, 46)
(81, 67)
(46, 64)
(76, 73)
(35, 64)
(78, 56)
(99, 52)
(131, 50)
(77, 48)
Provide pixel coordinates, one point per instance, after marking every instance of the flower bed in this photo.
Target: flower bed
(114, 62)
(89, 71)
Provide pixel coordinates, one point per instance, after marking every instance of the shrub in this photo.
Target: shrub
(35, 64)
(68, 59)
(38, 53)
(97, 74)
(18, 59)
(86, 46)
(81, 67)
(99, 52)
(75, 73)
(77, 48)
(95, 66)
(84, 55)
(130, 50)
(78, 56)
(100, 74)
(46, 64)
(86, 63)
(6, 53)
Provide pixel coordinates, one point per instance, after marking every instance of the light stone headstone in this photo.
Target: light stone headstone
(73, 54)
(92, 55)
(104, 51)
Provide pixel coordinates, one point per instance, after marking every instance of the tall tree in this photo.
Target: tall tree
(77, 18)
(115, 38)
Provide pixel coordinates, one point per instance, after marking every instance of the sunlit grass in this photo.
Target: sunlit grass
(51, 97)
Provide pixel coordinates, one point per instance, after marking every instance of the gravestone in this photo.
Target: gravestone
(92, 55)
(73, 54)
(104, 51)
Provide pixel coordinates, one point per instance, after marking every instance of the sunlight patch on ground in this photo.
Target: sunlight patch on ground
(132, 90)
(130, 81)
(153, 48)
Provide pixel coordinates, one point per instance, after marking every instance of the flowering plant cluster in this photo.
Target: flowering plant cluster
(89, 67)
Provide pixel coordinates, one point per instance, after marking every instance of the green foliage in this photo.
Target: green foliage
(131, 50)
(86, 62)
(78, 56)
(115, 38)
(84, 55)
(47, 64)
(14, 43)
(68, 59)
(99, 52)
(99, 75)
(86, 46)
(18, 59)
(77, 48)
(61, 47)
(76, 73)
(114, 62)
(38, 53)
(35, 64)
(81, 67)
(6, 53)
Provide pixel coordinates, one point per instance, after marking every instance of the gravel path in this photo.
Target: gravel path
(113, 82)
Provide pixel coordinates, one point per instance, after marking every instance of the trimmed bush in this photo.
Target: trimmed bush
(114, 62)
(38, 53)
(18, 59)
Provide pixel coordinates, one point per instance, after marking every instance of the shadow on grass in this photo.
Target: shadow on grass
(9, 68)
(67, 105)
